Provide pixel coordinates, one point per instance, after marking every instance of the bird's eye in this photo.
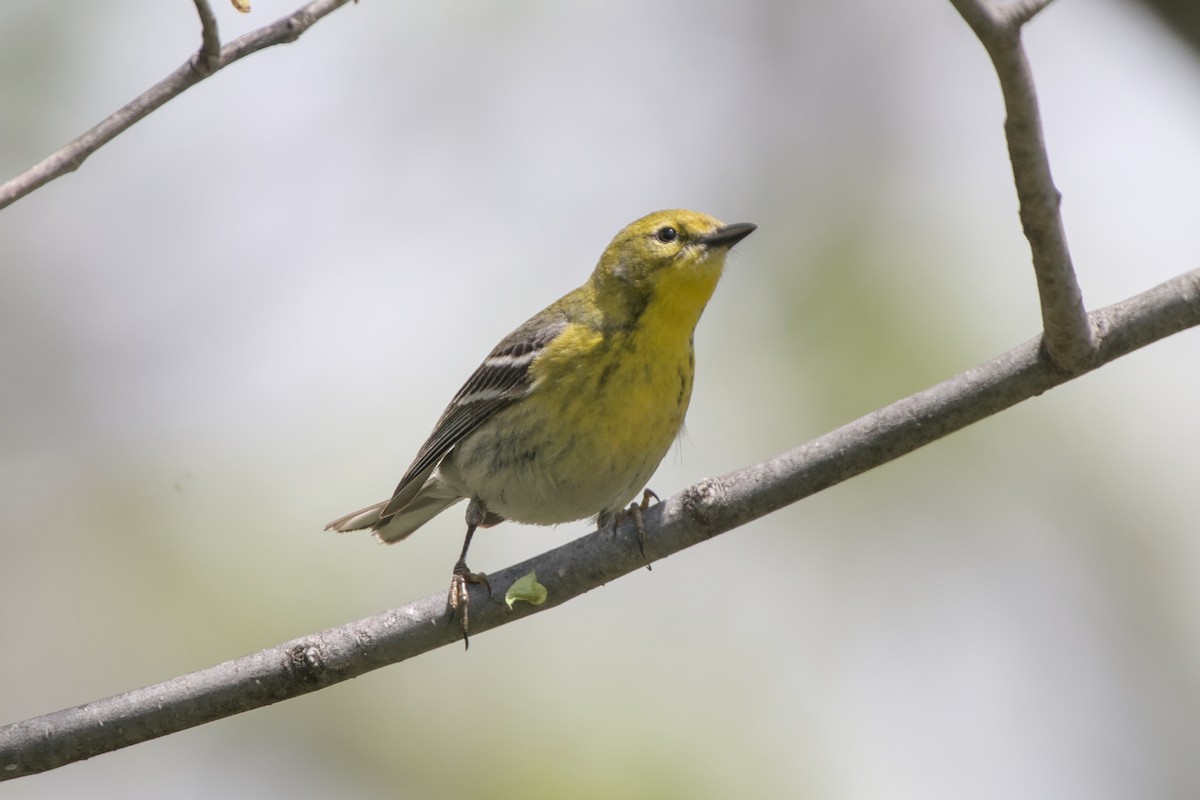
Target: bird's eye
(666, 234)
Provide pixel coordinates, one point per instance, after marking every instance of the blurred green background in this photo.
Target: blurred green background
(240, 319)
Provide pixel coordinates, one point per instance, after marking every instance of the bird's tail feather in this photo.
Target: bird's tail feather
(422, 509)
(399, 525)
(357, 520)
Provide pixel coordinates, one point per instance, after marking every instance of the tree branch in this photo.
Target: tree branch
(698, 513)
(200, 66)
(1069, 339)
(209, 54)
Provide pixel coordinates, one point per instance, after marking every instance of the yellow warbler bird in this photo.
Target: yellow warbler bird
(570, 415)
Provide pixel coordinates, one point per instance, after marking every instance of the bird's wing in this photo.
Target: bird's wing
(502, 379)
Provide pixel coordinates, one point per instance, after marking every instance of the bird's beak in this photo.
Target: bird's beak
(729, 235)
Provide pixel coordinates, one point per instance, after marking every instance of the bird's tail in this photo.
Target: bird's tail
(399, 525)
(357, 520)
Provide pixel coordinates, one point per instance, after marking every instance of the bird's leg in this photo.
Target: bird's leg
(477, 515)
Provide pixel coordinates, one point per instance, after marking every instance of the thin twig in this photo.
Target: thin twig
(693, 516)
(69, 158)
(210, 39)
(1019, 12)
(1069, 339)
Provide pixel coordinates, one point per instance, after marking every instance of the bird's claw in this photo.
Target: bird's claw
(635, 511)
(459, 596)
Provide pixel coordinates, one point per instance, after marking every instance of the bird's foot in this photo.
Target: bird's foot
(635, 511)
(459, 597)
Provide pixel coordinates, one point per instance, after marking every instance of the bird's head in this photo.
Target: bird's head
(671, 259)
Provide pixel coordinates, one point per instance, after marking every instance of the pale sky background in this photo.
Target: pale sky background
(240, 319)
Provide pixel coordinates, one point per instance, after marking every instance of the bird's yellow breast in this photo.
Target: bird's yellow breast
(523, 466)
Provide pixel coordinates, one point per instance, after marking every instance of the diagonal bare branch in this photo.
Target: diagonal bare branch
(71, 157)
(1069, 339)
(693, 516)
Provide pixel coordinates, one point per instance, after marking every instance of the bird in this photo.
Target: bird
(568, 417)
